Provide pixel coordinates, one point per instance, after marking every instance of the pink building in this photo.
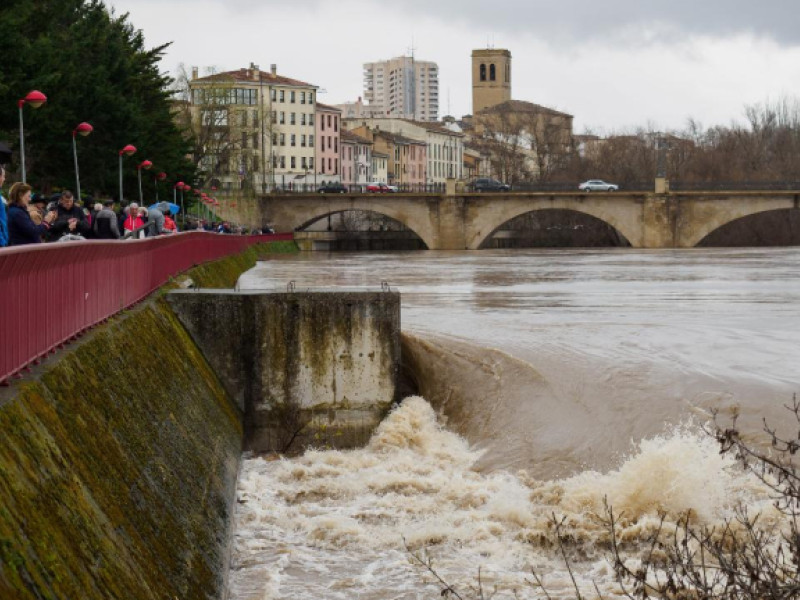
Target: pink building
(328, 125)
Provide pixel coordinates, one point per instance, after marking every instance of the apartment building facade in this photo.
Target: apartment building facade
(445, 147)
(356, 159)
(255, 129)
(328, 131)
(406, 158)
(403, 87)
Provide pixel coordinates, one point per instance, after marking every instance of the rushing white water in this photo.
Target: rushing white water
(557, 379)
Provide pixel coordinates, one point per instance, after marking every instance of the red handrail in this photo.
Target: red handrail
(52, 293)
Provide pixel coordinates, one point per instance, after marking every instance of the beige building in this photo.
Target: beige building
(445, 147)
(403, 87)
(256, 128)
(491, 78)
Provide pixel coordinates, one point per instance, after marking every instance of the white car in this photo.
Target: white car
(391, 188)
(598, 185)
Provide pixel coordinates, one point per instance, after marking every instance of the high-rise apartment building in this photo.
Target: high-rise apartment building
(403, 87)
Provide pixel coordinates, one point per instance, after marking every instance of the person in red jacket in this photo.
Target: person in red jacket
(133, 221)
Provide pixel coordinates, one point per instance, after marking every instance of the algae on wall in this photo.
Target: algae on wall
(118, 463)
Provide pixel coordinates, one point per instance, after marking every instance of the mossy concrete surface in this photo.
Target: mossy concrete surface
(118, 464)
(312, 368)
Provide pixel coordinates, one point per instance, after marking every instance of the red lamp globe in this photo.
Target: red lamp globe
(145, 164)
(161, 176)
(35, 98)
(128, 150)
(83, 129)
(187, 188)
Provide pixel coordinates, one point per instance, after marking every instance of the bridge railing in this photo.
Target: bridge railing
(310, 188)
(733, 186)
(52, 293)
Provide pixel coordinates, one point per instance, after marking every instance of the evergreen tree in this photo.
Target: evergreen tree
(93, 66)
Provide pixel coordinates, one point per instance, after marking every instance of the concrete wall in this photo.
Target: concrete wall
(306, 368)
(118, 469)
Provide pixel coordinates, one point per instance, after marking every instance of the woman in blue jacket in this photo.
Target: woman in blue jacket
(21, 228)
(3, 216)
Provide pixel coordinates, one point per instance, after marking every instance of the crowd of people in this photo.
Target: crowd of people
(28, 218)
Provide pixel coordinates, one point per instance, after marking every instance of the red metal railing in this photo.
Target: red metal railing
(52, 293)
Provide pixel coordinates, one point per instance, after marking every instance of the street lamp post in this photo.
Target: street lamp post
(126, 151)
(83, 129)
(35, 98)
(145, 164)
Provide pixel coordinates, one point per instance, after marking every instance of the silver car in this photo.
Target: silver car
(597, 185)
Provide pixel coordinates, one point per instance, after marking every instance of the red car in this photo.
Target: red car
(377, 188)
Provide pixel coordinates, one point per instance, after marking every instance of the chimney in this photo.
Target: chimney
(255, 71)
(273, 68)
(194, 73)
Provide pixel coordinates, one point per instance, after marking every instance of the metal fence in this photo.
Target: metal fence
(310, 188)
(52, 293)
(733, 186)
(522, 186)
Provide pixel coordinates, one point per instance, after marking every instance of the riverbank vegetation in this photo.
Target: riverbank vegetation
(745, 557)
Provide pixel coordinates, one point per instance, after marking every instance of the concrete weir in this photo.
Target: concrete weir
(311, 368)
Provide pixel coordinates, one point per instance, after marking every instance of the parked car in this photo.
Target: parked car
(391, 188)
(332, 188)
(598, 185)
(376, 187)
(484, 184)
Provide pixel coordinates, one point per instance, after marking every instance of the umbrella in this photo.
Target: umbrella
(165, 207)
(5, 153)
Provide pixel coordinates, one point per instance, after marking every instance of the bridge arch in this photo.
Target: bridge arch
(295, 213)
(706, 216)
(610, 211)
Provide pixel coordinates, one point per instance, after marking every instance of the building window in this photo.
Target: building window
(483, 72)
(291, 96)
(508, 72)
(491, 72)
(336, 123)
(282, 120)
(282, 96)
(273, 95)
(274, 139)
(283, 162)
(311, 141)
(311, 97)
(255, 118)
(292, 164)
(274, 117)
(311, 119)
(303, 163)
(283, 139)
(303, 140)
(292, 140)
(255, 141)
(302, 97)
(336, 168)
(336, 144)
(322, 166)
(310, 162)
(302, 118)
(291, 119)
(329, 143)
(274, 161)
(244, 139)
(329, 120)
(322, 122)
(330, 164)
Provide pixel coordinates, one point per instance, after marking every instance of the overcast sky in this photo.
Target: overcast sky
(613, 64)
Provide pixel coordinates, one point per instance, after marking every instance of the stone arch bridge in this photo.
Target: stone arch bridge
(466, 221)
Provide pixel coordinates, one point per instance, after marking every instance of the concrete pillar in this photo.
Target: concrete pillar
(659, 221)
(662, 185)
(450, 186)
(311, 368)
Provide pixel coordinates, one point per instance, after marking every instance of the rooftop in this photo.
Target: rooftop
(521, 106)
(252, 76)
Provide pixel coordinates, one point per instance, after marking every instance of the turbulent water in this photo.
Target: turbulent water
(551, 380)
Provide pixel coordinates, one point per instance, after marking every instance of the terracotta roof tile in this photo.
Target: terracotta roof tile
(521, 106)
(246, 75)
(348, 136)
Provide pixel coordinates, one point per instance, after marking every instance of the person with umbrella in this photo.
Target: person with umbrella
(169, 222)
